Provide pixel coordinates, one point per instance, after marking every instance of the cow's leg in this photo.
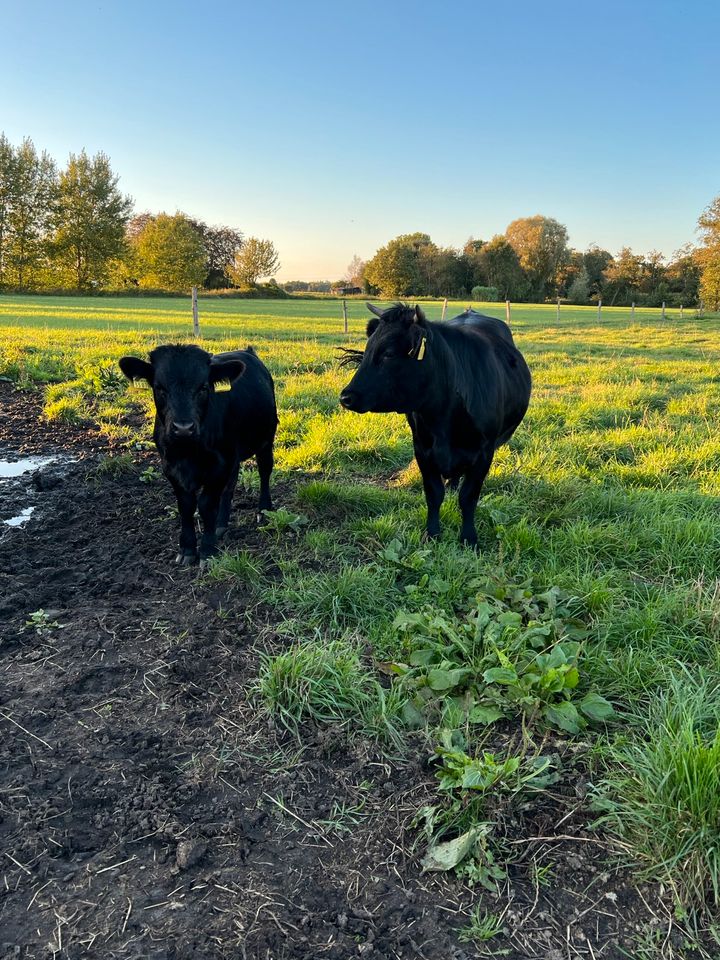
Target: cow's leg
(187, 503)
(434, 492)
(470, 492)
(223, 517)
(209, 505)
(265, 460)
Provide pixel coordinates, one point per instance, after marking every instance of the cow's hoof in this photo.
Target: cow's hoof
(431, 537)
(470, 542)
(187, 558)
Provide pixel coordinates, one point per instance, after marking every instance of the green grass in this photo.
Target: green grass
(610, 491)
(661, 793)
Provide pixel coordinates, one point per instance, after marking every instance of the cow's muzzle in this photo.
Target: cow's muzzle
(183, 429)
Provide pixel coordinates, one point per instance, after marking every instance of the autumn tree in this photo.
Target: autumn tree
(89, 218)
(541, 245)
(256, 259)
(354, 275)
(169, 254)
(708, 255)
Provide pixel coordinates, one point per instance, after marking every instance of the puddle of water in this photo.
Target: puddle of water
(21, 518)
(9, 469)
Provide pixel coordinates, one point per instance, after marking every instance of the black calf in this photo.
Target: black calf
(203, 436)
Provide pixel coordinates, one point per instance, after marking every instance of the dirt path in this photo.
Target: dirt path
(148, 810)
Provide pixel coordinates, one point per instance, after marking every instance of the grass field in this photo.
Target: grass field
(592, 607)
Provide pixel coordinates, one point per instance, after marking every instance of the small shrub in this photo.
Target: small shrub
(485, 294)
(66, 409)
(325, 682)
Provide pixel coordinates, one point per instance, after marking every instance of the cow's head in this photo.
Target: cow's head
(183, 378)
(393, 370)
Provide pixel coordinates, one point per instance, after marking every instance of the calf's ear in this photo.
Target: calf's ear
(372, 326)
(419, 316)
(136, 369)
(228, 370)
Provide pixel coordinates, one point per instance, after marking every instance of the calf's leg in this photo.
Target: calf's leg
(434, 492)
(209, 505)
(265, 460)
(223, 517)
(187, 503)
(470, 492)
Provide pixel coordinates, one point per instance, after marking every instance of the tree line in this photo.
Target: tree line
(533, 261)
(74, 229)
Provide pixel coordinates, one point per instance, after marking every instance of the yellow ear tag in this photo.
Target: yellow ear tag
(421, 351)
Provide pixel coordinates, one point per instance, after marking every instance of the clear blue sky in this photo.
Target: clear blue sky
(332, 127)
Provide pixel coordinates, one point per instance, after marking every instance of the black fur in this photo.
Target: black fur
(203, 435)
(463, 386)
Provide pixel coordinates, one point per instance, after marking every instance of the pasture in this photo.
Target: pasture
(341, 740)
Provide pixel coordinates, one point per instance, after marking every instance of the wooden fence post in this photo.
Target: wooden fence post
(632, 311)
(599, 308)
(663, 310)
(444, 309)
(558, 310)
(507, 312)
(345, 325)
(681, 311)
(196, 319)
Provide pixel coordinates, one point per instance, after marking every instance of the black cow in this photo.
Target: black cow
(463, 386)
(203, 436)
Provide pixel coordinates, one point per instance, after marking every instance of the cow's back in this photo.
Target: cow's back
(248, 409)
(482, 323)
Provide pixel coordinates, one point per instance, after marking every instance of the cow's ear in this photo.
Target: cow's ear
(418, 338)
(419, 316)
(136, 369)
(229, 370)
(372, 326)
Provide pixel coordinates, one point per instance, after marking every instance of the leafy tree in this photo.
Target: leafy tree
(255, 260)
(501, 268)
(395, 268)
(222, 245)
(90, 218)
(595, 262)
(27, 188)
(33, 192)
(169, 253)
(623, 277)
(444, 271)
(355, 274)
(579, 289)
(541, 245)
(708, 255)
(683, 277)
(7, 173)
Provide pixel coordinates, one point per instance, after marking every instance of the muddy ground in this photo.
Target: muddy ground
(148, 808)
